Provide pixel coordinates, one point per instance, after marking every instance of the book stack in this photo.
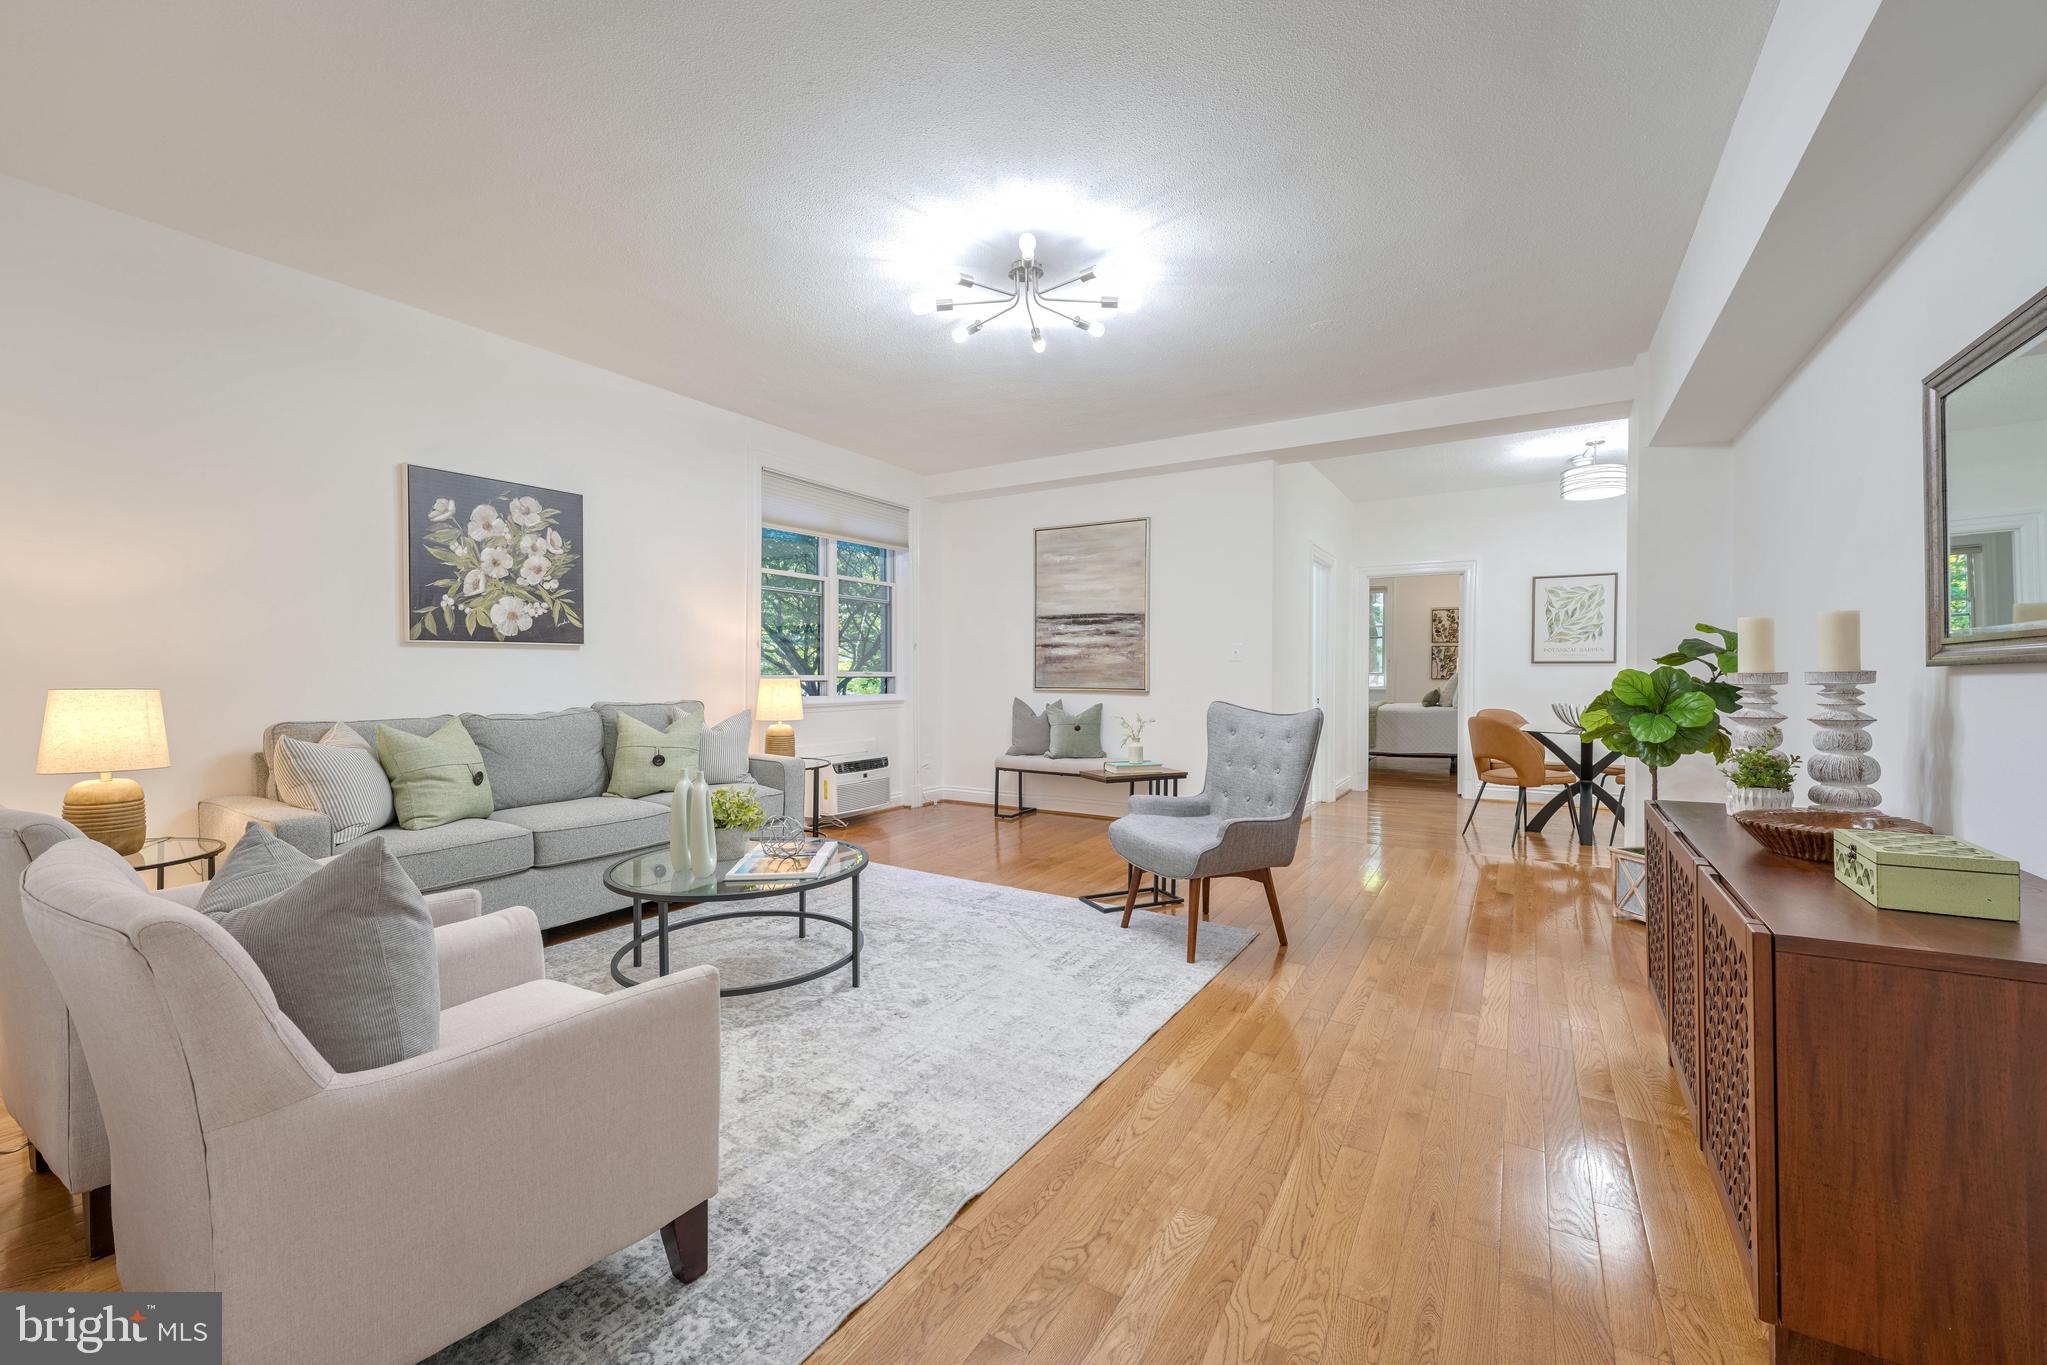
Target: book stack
(759, 865)
(1123, 765)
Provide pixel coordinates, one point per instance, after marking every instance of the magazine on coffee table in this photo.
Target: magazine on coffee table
(761, 866)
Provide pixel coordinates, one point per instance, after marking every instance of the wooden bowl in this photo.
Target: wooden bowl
(1809, 834)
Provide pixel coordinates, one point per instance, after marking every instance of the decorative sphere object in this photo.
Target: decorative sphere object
(782, 837)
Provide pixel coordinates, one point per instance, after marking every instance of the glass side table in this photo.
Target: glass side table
(177, 850)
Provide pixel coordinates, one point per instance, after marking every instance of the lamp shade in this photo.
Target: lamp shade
(780, 699)
(103, 730)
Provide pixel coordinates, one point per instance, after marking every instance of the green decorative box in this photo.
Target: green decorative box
(1931, 873)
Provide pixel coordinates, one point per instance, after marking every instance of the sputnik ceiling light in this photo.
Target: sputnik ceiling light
(1585, 479)
(1037, 299)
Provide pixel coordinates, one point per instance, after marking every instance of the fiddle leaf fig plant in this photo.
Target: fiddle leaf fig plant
(1659, 716)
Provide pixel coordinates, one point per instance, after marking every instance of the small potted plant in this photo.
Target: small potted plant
(736, 813)
(1759, 779)
(1133, 735)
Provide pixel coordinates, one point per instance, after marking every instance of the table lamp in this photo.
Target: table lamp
(780, 701)
(105, 730)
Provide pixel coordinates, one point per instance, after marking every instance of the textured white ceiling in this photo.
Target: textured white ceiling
(1341, 203)
(1485, 462)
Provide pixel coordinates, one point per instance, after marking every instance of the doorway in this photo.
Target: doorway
(1417, 636)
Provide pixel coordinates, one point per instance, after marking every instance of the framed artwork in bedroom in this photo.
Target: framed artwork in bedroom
(490, 561)
(1573, 618)
(1091, 613)
(1442, 662)
(1442, 625)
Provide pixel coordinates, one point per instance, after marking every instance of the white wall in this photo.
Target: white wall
(1511, 535)
(1311, 514)
(1212, 634)
(200, 452)
(1961, 748)
(1409, 601)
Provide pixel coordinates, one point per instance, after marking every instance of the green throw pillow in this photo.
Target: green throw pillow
(1075, 735)
(650, 760)
(1433, 697)
(436, 779)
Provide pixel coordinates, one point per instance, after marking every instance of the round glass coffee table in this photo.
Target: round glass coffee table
(653, 879)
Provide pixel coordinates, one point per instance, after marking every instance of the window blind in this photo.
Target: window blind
(800, 505)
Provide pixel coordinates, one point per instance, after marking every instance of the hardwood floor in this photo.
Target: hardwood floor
(1438, 1127)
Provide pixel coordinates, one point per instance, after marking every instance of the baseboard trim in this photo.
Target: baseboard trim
(1042, 795)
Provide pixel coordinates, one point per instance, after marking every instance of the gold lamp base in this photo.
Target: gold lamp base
(109, 809)
(781, 739)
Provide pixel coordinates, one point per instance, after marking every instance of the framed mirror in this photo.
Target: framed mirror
(1986, 497)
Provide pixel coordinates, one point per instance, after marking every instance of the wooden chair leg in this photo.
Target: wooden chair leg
(1130, 895)
(687, 1241)
(1264, 877)
(36, 1162)
(1197, 900)
(99, 1222)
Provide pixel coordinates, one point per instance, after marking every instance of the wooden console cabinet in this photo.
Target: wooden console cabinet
(1869, 1088)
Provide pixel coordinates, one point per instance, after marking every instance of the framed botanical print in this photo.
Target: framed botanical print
(1442, 625)
(1573, 618)
(1091, 614)
(489, 561)
(1442, 662)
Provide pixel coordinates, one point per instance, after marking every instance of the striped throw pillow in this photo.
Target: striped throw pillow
(339, 777)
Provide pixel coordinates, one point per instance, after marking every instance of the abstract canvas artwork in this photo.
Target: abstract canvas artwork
(1573, 618)
(489, 561)
(1093, 600)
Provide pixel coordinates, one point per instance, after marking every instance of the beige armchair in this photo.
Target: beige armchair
(378, 1215)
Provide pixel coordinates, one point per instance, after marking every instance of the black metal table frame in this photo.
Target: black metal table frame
(802, 914)
(1581, 793)
(212, 861)
(1161, 893)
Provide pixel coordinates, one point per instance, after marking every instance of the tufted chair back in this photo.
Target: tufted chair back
(1259, 763)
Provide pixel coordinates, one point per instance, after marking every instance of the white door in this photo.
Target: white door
(1319, 570)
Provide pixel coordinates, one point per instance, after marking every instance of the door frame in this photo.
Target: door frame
(1467, 689)
(1323, 778)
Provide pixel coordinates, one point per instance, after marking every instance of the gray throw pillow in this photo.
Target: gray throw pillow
(1029, 733)
(348, 950)
(1075, 735)
(724, 749)
(340, 777)
(258, 867)
(1433, 697)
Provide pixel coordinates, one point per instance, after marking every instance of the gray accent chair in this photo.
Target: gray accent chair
(553, 832)
(42, 1068)
(1245, 820)
(44, 1081)
(377, 1215)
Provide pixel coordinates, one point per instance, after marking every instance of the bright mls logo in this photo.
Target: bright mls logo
(169, 1329)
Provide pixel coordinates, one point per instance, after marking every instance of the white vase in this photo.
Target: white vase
(703, 834)
(678, 825)
(1757, 798)
(1134, 752)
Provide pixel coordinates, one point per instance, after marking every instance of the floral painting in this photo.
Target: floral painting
(492, 562)
(1574, 619)
(1443, 625)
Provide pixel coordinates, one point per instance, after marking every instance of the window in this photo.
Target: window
(1961, 592)
(828, 613)
(1375, 665)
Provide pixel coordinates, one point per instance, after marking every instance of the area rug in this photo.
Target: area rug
(857, 1122)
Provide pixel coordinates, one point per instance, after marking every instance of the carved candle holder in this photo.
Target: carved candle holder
(1758, 724)
(1842, 771)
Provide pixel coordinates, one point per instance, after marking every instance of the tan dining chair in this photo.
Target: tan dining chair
(1504, 754)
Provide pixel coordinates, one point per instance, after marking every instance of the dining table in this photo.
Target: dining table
(1583, 795)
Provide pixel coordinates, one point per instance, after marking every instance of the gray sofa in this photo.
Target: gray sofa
(553, 831)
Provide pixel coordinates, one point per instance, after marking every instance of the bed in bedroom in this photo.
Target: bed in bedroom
(1408, 729)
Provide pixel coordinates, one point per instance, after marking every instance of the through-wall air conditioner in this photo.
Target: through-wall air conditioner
(857, 783)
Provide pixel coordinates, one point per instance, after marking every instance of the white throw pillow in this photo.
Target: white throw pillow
(723, 755)
(1450, 691)
(339, 777)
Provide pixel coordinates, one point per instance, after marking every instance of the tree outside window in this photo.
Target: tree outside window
(828, 613)
(1376, 664)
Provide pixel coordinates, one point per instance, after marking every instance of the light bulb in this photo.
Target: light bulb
(1095, 329)
(963, 331)
(1028, 245)
(920, 304)
(1037, 341)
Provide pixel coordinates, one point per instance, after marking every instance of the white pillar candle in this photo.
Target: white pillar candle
(1840, 642)
(1758, 647)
